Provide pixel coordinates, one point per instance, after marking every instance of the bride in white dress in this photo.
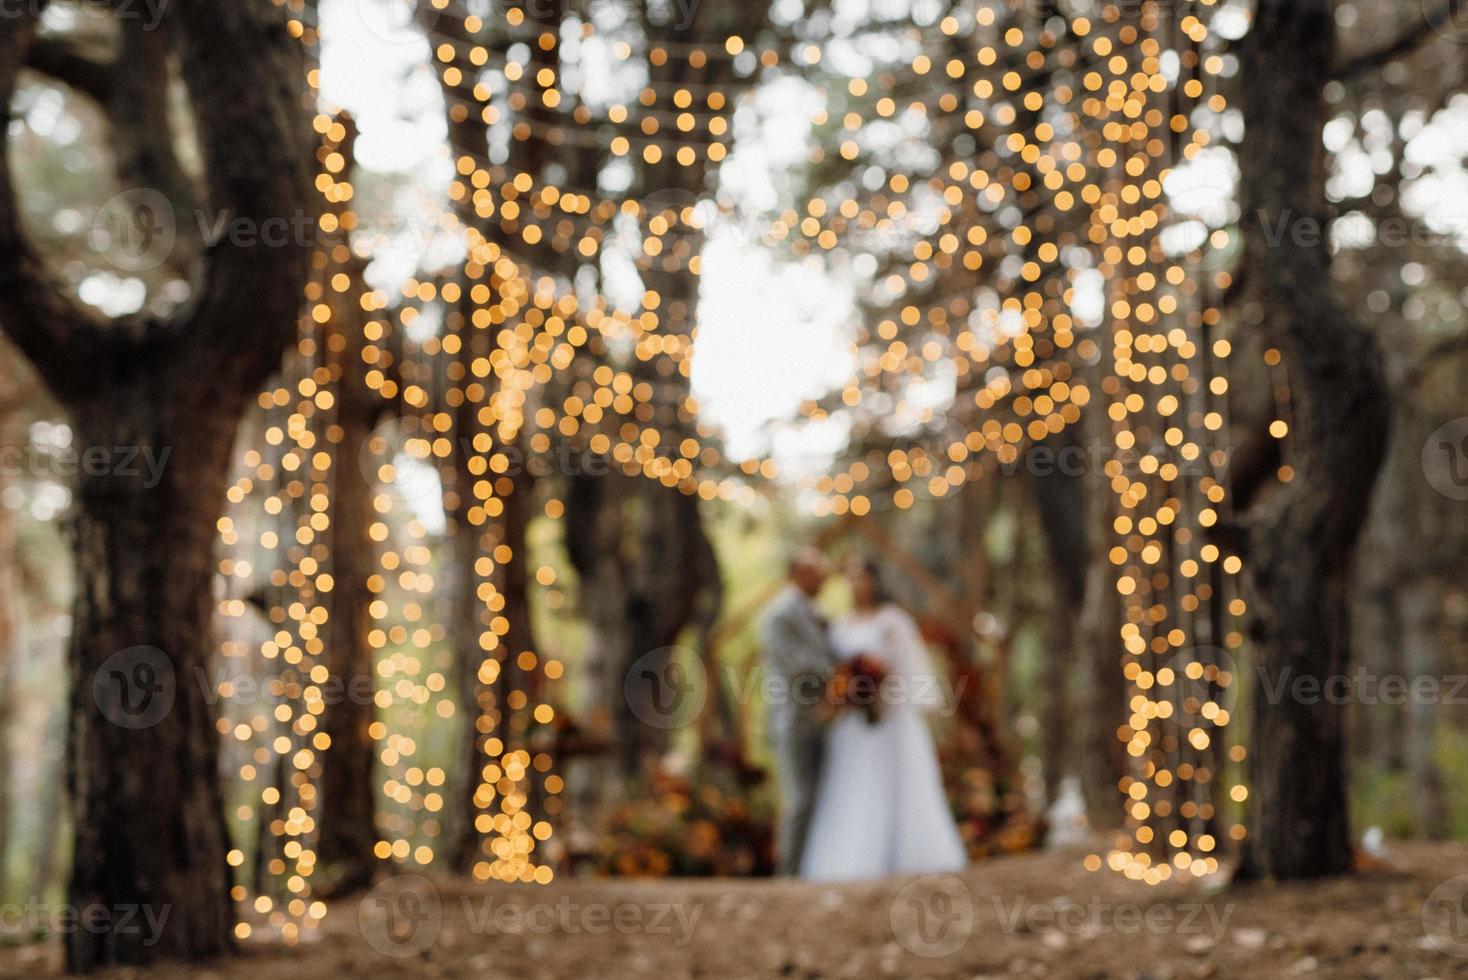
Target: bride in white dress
(881, 808)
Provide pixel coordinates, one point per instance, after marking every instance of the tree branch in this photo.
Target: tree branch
(62, 59)
(51, 330)
(1423, 364)
(245, 75)
(1406, 43)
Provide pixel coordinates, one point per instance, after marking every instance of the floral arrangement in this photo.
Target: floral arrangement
(992, 818)
(689, 826)
(857, 684)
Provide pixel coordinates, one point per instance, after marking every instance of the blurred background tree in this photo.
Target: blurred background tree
(1010, 574)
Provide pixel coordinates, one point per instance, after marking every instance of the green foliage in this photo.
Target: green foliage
(1382, 797)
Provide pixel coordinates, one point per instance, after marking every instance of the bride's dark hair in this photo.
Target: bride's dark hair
(876, 571)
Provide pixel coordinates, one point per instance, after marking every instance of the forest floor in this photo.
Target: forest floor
(1034, 915)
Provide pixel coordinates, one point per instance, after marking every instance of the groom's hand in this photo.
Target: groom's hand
(831, 704)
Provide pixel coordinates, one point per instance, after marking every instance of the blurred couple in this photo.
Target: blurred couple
(861, 792)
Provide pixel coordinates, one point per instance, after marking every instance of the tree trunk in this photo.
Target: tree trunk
(14, 395)
(482, 708)
(676, 575)
(1300, 553)
(1103, 754)
(1059, 494)
(1421, 605)
(143, 752)
(483, 711)
(514, 586)
(46, 879)
(595, 531)
(347, 809)
(467, 622)
(9, 648)
(156, 403)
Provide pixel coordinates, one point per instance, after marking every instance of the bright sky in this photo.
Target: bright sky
(771, 329)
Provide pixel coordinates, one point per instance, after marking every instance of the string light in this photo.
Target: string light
(1084, 117)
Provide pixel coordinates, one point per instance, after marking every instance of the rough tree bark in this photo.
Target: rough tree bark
(1300, 551)
(143, 747)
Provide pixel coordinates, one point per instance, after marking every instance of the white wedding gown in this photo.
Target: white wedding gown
(881, 809)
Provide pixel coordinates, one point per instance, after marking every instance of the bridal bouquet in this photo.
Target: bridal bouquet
(857, 683)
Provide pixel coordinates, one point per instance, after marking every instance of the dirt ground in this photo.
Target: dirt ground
(1037, 915)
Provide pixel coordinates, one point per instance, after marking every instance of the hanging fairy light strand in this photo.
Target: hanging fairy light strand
(1076, 124)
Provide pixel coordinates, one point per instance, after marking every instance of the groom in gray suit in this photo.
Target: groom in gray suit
(798, 658)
